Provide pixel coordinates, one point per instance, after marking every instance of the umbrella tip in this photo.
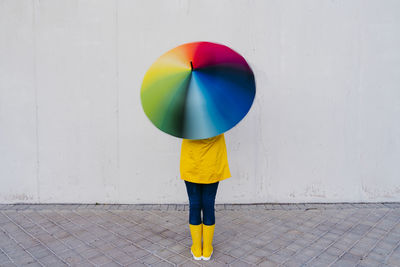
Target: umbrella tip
(191, 65)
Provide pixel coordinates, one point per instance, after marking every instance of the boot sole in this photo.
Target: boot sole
(207, 258)
(194, 257)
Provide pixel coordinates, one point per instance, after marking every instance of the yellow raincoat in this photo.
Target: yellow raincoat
(204, 161)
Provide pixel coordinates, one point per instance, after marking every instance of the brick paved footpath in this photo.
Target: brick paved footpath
(158, 235)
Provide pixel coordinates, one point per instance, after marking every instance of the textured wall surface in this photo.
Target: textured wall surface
(324, 126)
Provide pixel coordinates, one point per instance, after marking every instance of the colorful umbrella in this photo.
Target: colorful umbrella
(198, 90)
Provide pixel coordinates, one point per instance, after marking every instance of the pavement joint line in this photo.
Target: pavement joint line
(394, 248)
(116, 234)
(165, 228)
(266, 231)
(11, 239)
(379, 240)
(275, 225)
(391, 252)
(333, 241)
(369, 230)
(57, 224)
(320, 236)
(238, 258)
(354, 225)
(151, 253)
(79, 238)
(69, 248)
(165, 247)
(103, 239)
(4, 251)
(55, 254)
(19, 244)
(130, 242)
(246, 215)
(317, 238)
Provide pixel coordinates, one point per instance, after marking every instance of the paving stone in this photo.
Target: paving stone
(368, 263)
(90, 253)
(164, 253)
(300, 258)
(393, 261)
(100, 259)
(177, 247)
(39, 251)
(150, 259)
(110, 264)
(120, 257)
(343, 263)
(251, 258)
(268, 263)
(162, 264)
(57, 247)
(317, 263)
(237, 252)
(71, 257)
(309, 234)
(137, 264)
(121, 243)
(240, 263)
(326, 258)
(50, 260)
(293, 263)
(278, 258)
(19, 252)
(176, 259)
(357, 251)
(24, 260)
(350, 257)
(189, 263)
(224, 258)
(213, 263)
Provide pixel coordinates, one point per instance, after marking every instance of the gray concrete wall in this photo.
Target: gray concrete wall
(324, 126)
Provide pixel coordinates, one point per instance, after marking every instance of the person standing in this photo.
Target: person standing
(203, 164)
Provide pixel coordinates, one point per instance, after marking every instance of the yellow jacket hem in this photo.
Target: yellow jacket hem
(197, 182)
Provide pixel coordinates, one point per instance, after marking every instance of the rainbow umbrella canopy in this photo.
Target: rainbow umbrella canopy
(198, 90)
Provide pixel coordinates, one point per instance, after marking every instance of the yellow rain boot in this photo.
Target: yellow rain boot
(196, 232)
(208, 234)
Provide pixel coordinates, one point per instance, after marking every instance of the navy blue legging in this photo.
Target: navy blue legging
(201, 197)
